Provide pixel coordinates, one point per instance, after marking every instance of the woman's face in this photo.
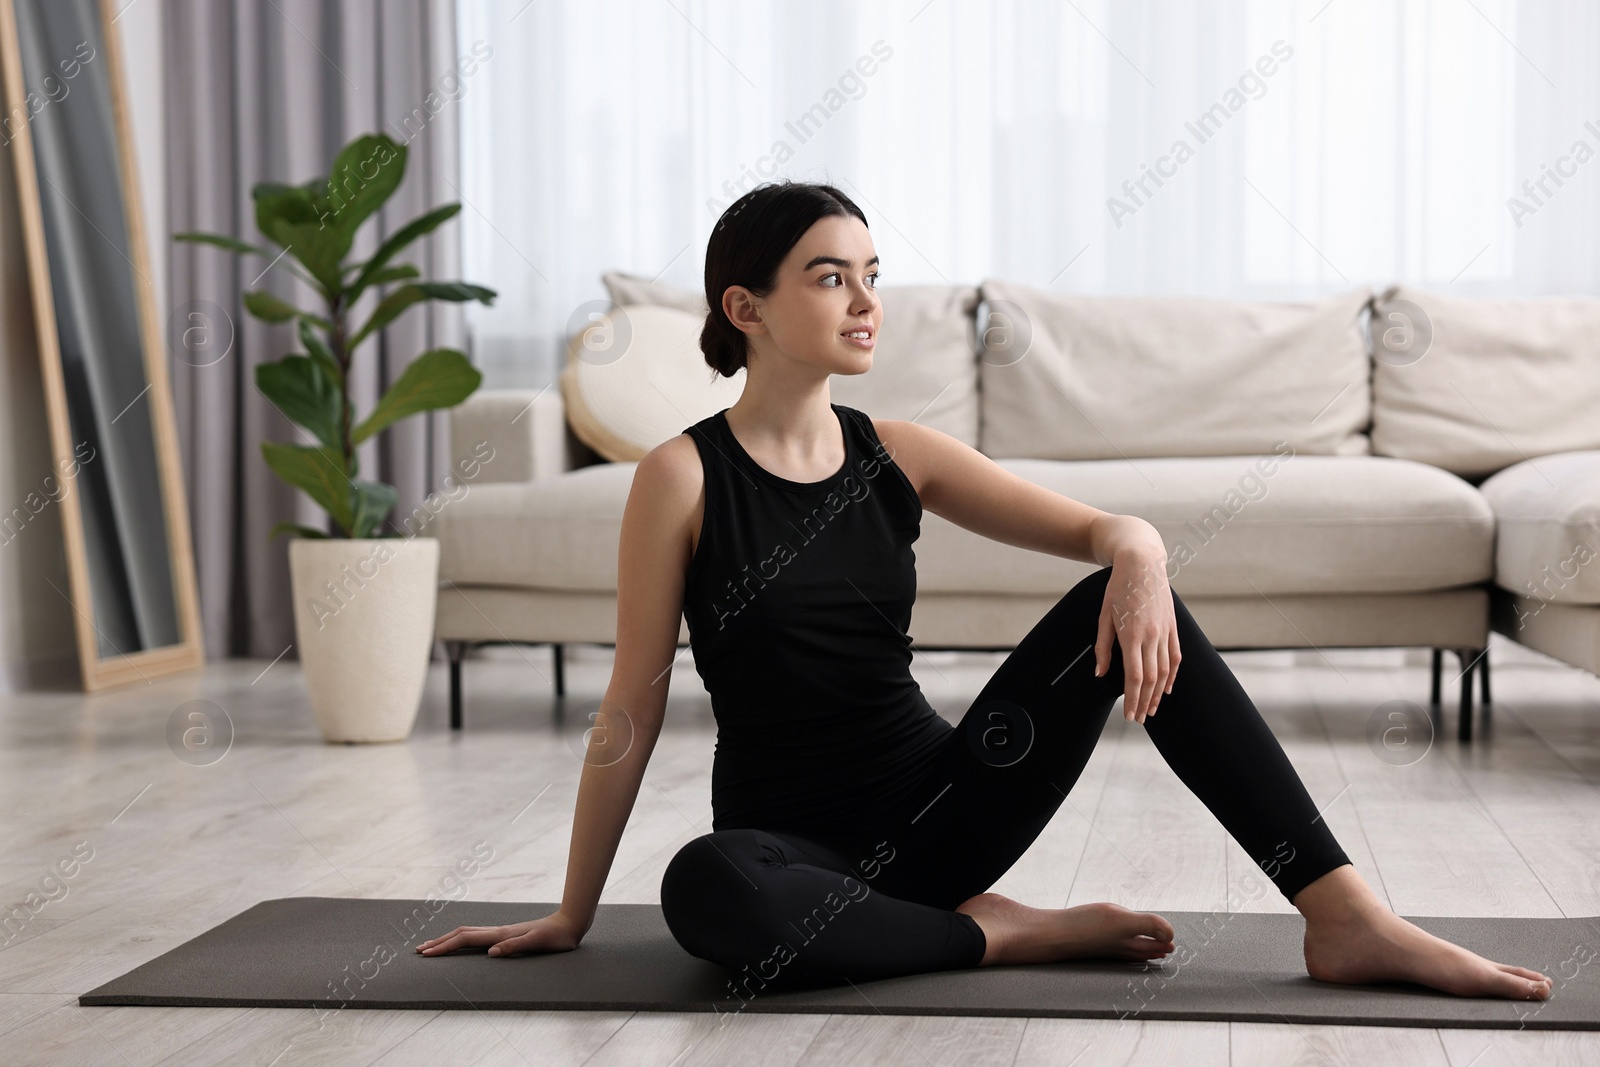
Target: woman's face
(825, 290)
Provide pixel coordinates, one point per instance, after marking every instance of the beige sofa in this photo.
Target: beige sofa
(1395, 469)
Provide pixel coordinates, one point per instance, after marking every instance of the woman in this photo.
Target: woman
(855, 830)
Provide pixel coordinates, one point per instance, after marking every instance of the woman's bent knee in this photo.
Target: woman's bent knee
(708, 893)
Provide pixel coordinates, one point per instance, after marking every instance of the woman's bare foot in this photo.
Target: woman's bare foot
(1352, 937)
(1017, 933)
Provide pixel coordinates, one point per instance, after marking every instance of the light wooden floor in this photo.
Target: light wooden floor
(1507, 827)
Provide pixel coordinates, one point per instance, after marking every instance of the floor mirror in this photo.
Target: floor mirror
(130, 566)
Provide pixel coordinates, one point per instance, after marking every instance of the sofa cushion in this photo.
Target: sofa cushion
(625, 289)
(924, 366)
(1547, 514)
(1475, 385)
(1106, 377)
(1247, 526)
(638, 379)
(1236, 525)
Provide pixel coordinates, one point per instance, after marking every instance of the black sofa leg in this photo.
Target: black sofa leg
(455, 650)
(1438, 672)
(561, 675)
(1483, 669)
(1470, 658)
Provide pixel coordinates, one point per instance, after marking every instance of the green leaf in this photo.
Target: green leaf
(459, 292)
(373, 502)
(321, 353)
(269, 307)
(366, 172)
(304, 393)
(397, 273)
(295, 528)
(319, 471)
(423, 224)
(390, 307)
(439, 378)
(297, 220)
(232, 244)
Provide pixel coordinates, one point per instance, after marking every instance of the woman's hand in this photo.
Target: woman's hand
(1138, 610)
(553, 933)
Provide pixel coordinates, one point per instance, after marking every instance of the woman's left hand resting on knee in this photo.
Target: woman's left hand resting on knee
(1138, 612)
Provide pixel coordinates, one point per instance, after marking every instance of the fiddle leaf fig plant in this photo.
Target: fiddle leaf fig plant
(314, 226)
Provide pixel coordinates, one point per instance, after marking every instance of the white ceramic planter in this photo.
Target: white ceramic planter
(363, 621)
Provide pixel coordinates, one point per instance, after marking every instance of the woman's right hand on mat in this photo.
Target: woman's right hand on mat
(553, 933)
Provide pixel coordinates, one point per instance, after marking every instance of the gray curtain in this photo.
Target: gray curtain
(270, 90)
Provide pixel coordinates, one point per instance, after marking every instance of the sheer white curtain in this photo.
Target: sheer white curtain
(1301, 147)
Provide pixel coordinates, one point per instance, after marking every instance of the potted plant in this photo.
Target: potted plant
(364, 598)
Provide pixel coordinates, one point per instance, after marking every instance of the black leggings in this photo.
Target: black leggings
(779, 910)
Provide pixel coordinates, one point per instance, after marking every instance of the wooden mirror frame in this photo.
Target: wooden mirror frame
(188, 654)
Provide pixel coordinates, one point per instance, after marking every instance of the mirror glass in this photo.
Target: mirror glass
(93, 280)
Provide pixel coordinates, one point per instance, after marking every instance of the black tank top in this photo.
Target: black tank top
(798, 599)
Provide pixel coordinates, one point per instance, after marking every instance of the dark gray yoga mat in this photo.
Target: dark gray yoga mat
(333, 952)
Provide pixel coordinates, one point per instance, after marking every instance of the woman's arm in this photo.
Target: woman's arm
(959, 483)
(654, 554)
(656, 522)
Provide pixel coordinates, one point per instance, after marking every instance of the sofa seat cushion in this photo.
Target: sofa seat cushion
(1233, 525)
(1547, 512)
(1247, 525)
